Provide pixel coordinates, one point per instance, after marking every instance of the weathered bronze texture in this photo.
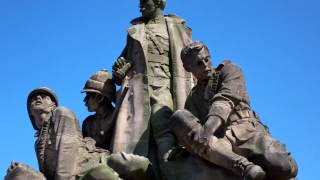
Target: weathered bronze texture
(219, 125)
(151, 67)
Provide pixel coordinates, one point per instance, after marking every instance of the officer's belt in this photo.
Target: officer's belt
(156, 58)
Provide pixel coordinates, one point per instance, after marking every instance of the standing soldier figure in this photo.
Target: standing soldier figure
(151, 67)
(219, 125)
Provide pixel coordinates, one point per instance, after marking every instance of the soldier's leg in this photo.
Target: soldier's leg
(160, 128)
(216, 151)
(271, 155)
(161, 111)
(130, 166)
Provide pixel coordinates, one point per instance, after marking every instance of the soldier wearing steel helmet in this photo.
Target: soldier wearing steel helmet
(62, 152)
(100, 93)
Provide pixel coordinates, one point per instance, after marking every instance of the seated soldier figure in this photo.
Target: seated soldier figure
(100, 93)
(62, 152)
(219, 126)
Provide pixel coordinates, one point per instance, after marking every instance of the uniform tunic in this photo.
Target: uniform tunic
(99, 129)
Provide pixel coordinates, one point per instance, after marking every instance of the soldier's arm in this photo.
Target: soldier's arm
(217, 117)
(121, 66)
(228, 95)
(86, 127)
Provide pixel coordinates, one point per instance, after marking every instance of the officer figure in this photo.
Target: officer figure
(150, 65)
(219, 126)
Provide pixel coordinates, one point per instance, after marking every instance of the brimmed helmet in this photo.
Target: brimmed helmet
(101, 82)
(40, 90)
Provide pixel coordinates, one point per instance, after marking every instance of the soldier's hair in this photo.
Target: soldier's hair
(190, 50)
(161, 3)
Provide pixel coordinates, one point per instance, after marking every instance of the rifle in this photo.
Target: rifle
(118, 105)
(116, 111)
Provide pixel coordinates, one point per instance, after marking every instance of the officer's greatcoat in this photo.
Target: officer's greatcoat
(132, 130)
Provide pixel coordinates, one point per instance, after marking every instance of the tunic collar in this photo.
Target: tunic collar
(156, 20)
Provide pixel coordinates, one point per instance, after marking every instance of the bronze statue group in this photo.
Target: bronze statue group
(176, 117)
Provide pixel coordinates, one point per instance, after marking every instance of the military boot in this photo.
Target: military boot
(219, 154)
(248, 170)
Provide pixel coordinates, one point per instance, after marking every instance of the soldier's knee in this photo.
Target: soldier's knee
(281, 166)
(179, 114)
(182, 122)
(160, 119)
(294, 167)
(182, 119)
(130, 166)
(161, 109)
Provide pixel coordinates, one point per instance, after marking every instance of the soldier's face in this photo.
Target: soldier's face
(147, 8)
(40, 103)
(91, 102)
(200, 65)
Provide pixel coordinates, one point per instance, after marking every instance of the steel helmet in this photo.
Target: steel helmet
(101, 82)
(40, 90)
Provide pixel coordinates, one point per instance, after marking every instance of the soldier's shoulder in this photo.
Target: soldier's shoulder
(229, 69)
(89, 119)
(228, 65)
(138, 20)
(60, 110)
(174, 18)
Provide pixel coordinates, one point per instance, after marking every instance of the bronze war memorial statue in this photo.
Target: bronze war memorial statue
(174, 117)
(64, 154)
(100, 93)
(218, 124)
(150, 65)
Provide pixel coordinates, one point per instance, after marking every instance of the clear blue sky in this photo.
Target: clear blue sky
(60, 43)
